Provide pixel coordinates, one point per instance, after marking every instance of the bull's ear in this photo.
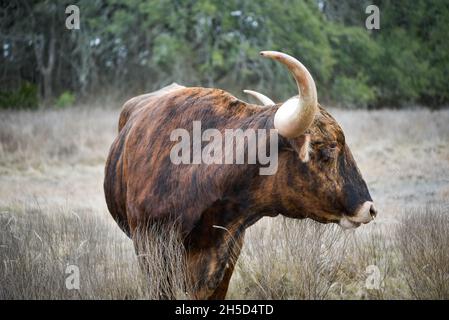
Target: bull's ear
(302, 147)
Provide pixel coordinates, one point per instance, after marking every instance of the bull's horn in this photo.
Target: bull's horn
(261, 97)
(296, 114)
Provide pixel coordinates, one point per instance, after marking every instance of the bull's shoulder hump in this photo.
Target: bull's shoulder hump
(135, 104)
(205, 97)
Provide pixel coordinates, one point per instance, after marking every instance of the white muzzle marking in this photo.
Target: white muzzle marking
(365, 213)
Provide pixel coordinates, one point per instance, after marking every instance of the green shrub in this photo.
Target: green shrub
(353, 92)
(26, 96)
(66, 99)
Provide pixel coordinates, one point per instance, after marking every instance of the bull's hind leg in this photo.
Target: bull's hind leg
(156, 290)
(162, 261)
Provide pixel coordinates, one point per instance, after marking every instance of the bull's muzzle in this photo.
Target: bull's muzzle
(364, 214)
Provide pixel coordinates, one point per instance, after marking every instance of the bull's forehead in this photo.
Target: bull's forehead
(325, 128)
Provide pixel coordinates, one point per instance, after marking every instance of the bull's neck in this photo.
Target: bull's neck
(258, 195)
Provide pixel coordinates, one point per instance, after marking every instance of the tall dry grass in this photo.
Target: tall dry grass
(161, 257)
(290, 259)
(306, 260)
(36, 248)
(281, 259)
(287, 259)
(423, 239)
(48, 137)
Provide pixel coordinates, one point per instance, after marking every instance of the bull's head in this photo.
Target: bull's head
(322, 178)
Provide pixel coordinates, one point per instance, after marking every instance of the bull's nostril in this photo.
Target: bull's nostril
(373, 211)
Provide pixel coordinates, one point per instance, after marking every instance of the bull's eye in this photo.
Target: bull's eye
(328, 154)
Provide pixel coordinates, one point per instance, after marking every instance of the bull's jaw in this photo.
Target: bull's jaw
(347, 224)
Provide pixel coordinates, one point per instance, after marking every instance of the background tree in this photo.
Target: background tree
(128, 47)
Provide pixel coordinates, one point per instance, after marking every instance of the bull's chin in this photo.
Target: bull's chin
(347, 224)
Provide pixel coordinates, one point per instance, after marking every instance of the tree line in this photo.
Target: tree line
(129, 47)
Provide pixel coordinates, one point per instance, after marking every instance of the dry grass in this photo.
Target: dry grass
(48, 137)
(423, 239)
(306, 260)
(162, 259)
(53, 214)
(37, 247)
(290, 260)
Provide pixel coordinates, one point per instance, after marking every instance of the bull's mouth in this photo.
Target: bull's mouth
(347, 224)
(365, 214)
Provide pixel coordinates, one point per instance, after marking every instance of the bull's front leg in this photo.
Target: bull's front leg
(222, 289)
(210, 269)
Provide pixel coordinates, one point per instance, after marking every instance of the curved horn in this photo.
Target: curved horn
(261, 97)
(296, 114)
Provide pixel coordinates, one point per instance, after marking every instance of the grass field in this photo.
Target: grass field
(53, 214)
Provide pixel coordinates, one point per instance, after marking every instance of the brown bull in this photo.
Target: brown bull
(316, 177)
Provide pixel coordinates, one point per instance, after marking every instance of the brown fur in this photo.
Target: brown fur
(142, 185)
